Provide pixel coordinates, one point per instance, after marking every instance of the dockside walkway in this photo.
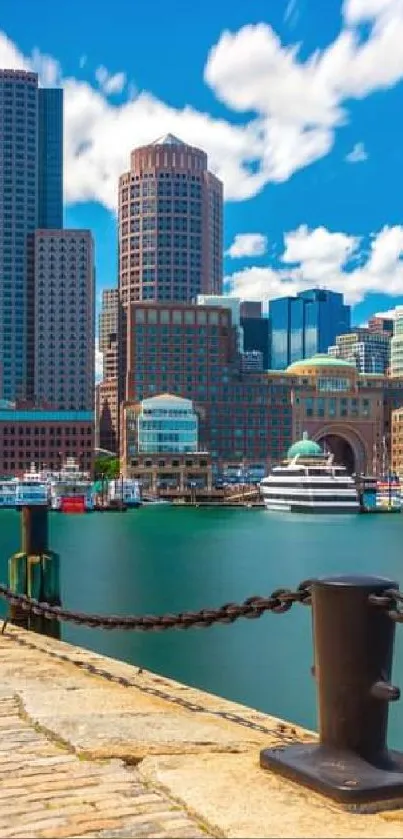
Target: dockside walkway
(94, 747)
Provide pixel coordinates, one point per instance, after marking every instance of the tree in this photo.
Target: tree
(107, 467)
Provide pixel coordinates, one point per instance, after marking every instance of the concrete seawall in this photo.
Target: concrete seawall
(94, 747)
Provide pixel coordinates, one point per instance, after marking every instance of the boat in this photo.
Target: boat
(8, 488)
(124, 491)
(309, 481)
(71, 490)
(31, 493)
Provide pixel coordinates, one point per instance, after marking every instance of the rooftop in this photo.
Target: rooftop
(320, 360)
(168, 140)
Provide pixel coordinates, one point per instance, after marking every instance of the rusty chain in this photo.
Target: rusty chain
(392, 601)
(278, 602)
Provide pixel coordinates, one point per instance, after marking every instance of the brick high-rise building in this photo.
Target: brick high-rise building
(64, 338)
(191, 351)
(170, 224)
(31, 175)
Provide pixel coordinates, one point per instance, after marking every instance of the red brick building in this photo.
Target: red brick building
(45, 438)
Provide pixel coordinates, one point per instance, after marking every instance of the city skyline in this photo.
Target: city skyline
(318, 130)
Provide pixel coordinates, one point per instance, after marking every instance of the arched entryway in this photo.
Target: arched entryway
(342, 451)
(347, 446)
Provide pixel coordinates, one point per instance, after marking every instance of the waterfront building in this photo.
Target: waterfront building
(44, 437)
(256, 331)
(64, 338)
(339, 408)
(306, 324)
(396, 344)
(31, 184)
(191, 351)
(165, 425)
(170, 224)
(368, 349)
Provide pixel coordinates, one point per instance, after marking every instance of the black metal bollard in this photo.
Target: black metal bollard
(35, 530)
(353, 644)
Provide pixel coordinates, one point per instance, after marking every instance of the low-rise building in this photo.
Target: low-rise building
(161, 447)
(45, 438)
(368, 349)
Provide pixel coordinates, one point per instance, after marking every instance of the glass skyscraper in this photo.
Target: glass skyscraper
(50, 158)
(31, 178)
(306, 324)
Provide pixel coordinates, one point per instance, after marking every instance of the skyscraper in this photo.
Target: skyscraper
(64, 319)
(30, 154)
(170, 224)
(50, 157)
(396, 344)
(306, 324)
(108, 332)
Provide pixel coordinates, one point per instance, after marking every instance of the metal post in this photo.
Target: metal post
(35, 531)
(353, 644)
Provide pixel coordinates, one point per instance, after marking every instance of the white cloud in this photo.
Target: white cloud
(108, 82)
(321, 258)
(247, 244)
(357, 154)
(390, 313)
(297, 104)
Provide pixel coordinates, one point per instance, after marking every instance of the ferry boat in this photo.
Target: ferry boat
(124, 490)
(31, 493)
(308, 481)
(71, 490)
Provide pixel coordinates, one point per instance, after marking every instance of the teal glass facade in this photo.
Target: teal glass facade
(306, 324)
(50, 158)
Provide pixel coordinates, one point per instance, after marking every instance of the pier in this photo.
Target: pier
(92, 747)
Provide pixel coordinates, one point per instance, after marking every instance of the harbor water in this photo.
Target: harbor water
(165, 559)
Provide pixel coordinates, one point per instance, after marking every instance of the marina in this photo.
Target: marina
(161, 558)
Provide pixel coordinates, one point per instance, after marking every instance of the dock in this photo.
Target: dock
(92, 747)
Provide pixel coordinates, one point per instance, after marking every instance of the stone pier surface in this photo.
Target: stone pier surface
(94, 747)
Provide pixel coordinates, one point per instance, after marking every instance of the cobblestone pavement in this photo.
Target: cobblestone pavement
(48, 792)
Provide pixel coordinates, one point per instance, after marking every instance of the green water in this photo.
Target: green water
(160, 559)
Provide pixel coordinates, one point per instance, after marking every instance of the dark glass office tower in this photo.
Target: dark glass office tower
(50, 158)
(306, 324)
(31, 195)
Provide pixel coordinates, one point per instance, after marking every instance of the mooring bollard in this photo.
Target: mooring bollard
(353, 651)
(34, 571)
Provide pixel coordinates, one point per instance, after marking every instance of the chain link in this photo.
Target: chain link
(279, 601)
(389, 600)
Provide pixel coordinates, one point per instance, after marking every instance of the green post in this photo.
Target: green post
(35, 571)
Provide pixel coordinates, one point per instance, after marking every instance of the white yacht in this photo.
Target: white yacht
(308, 481)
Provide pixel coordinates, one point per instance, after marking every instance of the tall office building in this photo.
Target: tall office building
(108, 332)
(381, 324)
(306, 324)
(256, 332)
(368, 350)
(170, 225)
(64, 319)
(30, 178)
(50, 158)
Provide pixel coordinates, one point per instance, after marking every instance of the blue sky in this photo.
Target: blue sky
(298, 109)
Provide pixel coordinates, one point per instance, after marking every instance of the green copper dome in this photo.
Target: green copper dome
(304, 448)
(321, 360)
